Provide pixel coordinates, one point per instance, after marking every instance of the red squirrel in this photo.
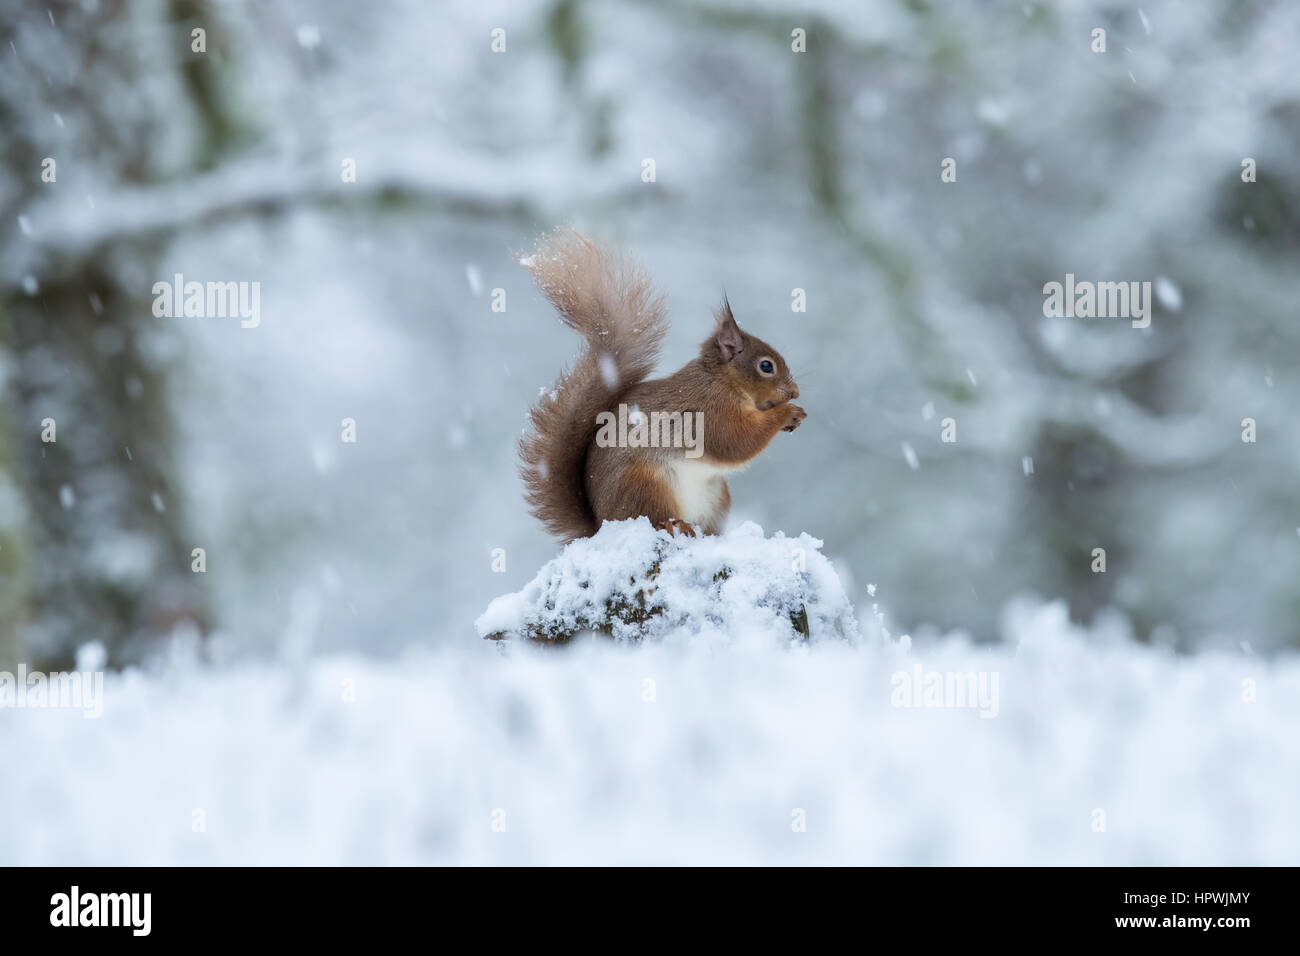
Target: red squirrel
(711, 417)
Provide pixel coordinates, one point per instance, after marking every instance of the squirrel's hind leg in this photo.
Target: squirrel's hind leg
(677, 526)
(642, 491)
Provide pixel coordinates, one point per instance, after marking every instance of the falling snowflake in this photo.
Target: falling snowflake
(1169, 295)
(608, 370)
(475, 279)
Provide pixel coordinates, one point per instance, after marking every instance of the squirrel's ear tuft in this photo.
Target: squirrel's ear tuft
(728, 337)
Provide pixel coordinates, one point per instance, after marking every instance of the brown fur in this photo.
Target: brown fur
(573, 484)
(609, 302)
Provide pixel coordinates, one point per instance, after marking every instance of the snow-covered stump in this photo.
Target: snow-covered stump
(630, 582)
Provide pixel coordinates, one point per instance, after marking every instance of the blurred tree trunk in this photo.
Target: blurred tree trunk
(95, 549)
(12, 563)
(106, 558)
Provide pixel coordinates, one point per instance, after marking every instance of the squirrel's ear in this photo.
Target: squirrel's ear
(727, 335)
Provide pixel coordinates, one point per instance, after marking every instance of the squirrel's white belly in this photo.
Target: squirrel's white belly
(697, 486)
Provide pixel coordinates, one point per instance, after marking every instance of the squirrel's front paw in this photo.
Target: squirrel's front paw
(796, 415)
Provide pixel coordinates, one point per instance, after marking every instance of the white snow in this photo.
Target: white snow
(608, 370)
(1170, 296)
(475, 278)
(705, 589)
(726, 741)
(671, 752)
(308, 36)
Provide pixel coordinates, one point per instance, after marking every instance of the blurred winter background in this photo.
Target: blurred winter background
(775, 171)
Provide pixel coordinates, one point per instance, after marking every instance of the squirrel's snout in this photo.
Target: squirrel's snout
(784, 396)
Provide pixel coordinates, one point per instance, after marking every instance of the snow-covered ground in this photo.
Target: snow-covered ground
(1067, 747)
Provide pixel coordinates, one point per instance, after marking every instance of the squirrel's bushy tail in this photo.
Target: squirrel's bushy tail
(608, 300)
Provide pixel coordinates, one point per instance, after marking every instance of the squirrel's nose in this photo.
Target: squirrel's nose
(794, 391)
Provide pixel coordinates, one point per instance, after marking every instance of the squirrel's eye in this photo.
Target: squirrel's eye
(766, 367)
